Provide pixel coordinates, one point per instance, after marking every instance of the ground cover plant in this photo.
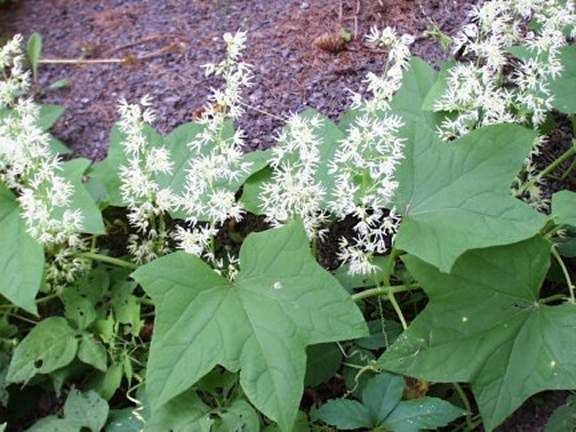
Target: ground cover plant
(407, 268)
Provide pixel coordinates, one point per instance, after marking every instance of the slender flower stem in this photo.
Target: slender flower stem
(109, 260)
(566, 273)
(383, 291)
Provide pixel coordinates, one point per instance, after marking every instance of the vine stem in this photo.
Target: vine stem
(397, 309)
(550, 168)
(566, 273)
(467, 405)
(383, 291)
(109, 260)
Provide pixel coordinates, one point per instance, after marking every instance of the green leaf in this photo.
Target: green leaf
(21, 257)
(106, 384)
(33, 51)
(49, 346)
(58, 147)
(178, 415)
(59, 84)
(564, 418)
(78, 309)
(49, 115)
(86, 410)
(439, 87)
(323, 362)
(53, 424)
(126, 306)
(301, 424)
(564, 87)
(238, 417)
(125, 420)
(485, 325)
(418, 414)
(281, 302)
(564, 208)
(344, 414)
(382, 395)
(73, 171)
(456, 196)
(92, 352)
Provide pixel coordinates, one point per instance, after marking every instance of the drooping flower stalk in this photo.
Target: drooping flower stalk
(366, 161)
(218, 157)
(29, 166)
(148, 202)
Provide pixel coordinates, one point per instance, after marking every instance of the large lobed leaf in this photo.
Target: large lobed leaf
(456, 196)
(281, 301)
(484, 324)
(21, 257)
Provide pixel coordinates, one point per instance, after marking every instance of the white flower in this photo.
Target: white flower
(480, 92)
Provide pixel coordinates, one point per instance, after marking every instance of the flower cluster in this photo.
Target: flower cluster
(478, 91)
(365, 164)
(295, 187)
(29, 166)
(148, 202)
(358, 180)
(16, 79)
(217, 162)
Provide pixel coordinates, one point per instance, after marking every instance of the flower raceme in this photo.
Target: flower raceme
(29, 166)
(479, 92)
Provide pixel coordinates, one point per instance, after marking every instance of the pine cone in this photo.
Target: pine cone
(330, 42)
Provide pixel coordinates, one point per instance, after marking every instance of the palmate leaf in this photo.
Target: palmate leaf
(456, 196)
(564, 87)
(564, 208)
(21, 257)
(484, 324)
(281, 301)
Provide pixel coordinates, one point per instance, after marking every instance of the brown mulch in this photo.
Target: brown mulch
(291, 72)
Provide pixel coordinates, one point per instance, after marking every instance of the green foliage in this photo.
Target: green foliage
(456, 196)
(564, 418)
(82, 411)
(485, 324)
(21, 257)
(564, 87)
(34, 51)
(382, 407)
(50, 345)
(185, 344)
(259, 324)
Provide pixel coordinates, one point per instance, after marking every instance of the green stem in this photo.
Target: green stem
(569, 170)
(552, 298)
(383, 291)
(397, 309)
(550, 168)
(466, 402)
(390, 265)
(566, 273)
(109, 260)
